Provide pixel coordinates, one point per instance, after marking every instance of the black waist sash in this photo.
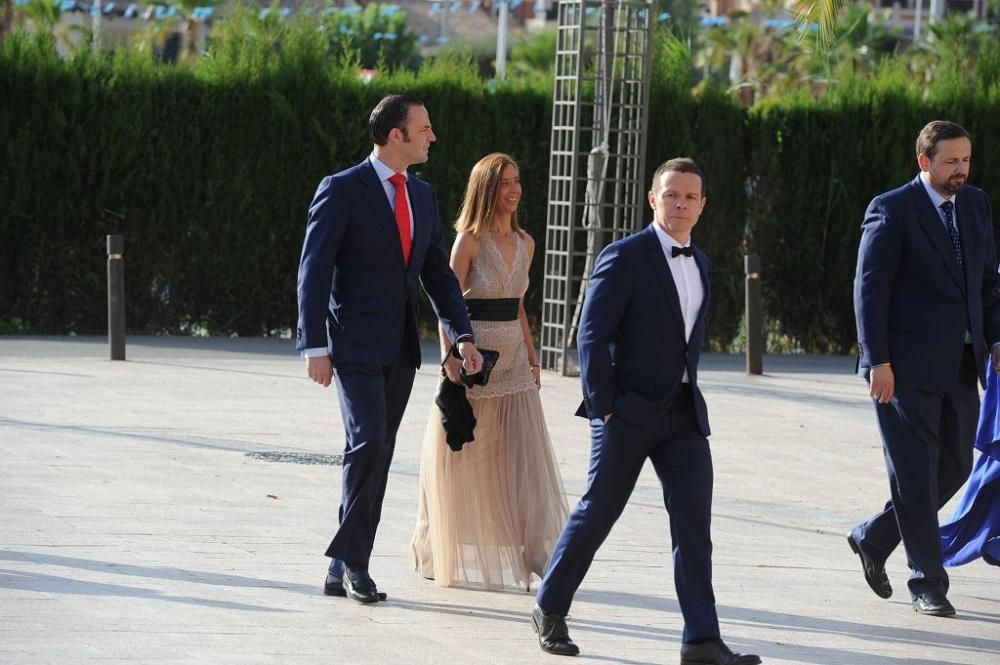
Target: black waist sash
(493, 309)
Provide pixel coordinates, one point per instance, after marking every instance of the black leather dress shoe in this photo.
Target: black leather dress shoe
(553, 636)
(874, 570)
(714, 652)
(359, 586)
(333, 586)
(933, 603)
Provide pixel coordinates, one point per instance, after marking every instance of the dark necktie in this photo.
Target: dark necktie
(398, 181)
(681, 251)
(949, 221)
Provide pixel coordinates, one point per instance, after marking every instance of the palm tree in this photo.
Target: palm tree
(44, 15)
(192, 25)
(190, 21)
(824, 13)
(948, 50)
(954, 35)
(6, 19)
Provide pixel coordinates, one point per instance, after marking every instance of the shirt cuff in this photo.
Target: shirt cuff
(314, 353)
(465, 338)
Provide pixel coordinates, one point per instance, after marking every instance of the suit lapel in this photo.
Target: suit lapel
(930, 221)
(421, 223)
(698, 330)
(374, 194)
(663, 275)
(971, 247)
(702, 262)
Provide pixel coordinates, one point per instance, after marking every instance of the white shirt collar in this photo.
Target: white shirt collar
(936, 197)
(381, 170)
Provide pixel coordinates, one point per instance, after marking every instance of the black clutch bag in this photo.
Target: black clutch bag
(482, 377)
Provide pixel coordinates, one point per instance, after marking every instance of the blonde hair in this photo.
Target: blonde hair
(481, 194)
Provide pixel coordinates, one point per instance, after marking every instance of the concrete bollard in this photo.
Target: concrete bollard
(116, 297)
(754, 315)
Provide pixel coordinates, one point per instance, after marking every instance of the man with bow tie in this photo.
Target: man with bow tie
(373, 238)
(641, 333)
(928, 313)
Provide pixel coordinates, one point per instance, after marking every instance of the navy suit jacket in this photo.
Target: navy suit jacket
(912, 304)
(632, 345)
(357, 297)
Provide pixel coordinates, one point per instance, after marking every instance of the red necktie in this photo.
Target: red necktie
(398, 181)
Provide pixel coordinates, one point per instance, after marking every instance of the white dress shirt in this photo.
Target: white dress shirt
(687, 279)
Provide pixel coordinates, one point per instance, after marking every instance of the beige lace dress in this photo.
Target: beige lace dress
(490, 515)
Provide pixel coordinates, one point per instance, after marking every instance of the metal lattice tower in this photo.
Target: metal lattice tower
(599, 126)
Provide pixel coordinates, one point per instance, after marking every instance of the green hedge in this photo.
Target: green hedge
(207, 171)
(817, 164)
(208, 175)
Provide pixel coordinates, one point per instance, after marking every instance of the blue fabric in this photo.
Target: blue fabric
(974, 529)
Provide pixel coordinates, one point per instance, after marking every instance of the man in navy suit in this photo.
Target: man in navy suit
(640, 339)
(928, 311)
(373, 235)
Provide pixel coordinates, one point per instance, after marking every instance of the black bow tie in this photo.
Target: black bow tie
(681, 251)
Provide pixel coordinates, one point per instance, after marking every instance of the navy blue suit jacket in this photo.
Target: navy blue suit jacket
(632, 345)
(912, 304)
(357, 297)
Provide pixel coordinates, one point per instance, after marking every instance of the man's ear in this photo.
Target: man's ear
(924, 162)
(651, 197)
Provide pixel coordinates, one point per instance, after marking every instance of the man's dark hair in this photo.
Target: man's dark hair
(679, 165)
(936, 131)
(389, 114)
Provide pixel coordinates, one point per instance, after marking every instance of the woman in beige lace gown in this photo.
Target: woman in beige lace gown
(490, 514)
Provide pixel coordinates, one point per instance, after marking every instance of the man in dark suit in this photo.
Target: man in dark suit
(373, 235)
(928, 311)
(640, 339)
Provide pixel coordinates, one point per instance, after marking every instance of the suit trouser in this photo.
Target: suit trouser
(372, 401)
(683, 462)
(927, 438)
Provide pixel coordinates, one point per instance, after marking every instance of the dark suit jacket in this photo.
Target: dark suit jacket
(356, 295)
(633, 350)
(912, 304)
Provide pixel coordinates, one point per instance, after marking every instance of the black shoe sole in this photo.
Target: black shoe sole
(340, 593)
(941, 612)
(744, 660)
(872, 584)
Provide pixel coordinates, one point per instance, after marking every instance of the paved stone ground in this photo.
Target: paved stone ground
(137, 528)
